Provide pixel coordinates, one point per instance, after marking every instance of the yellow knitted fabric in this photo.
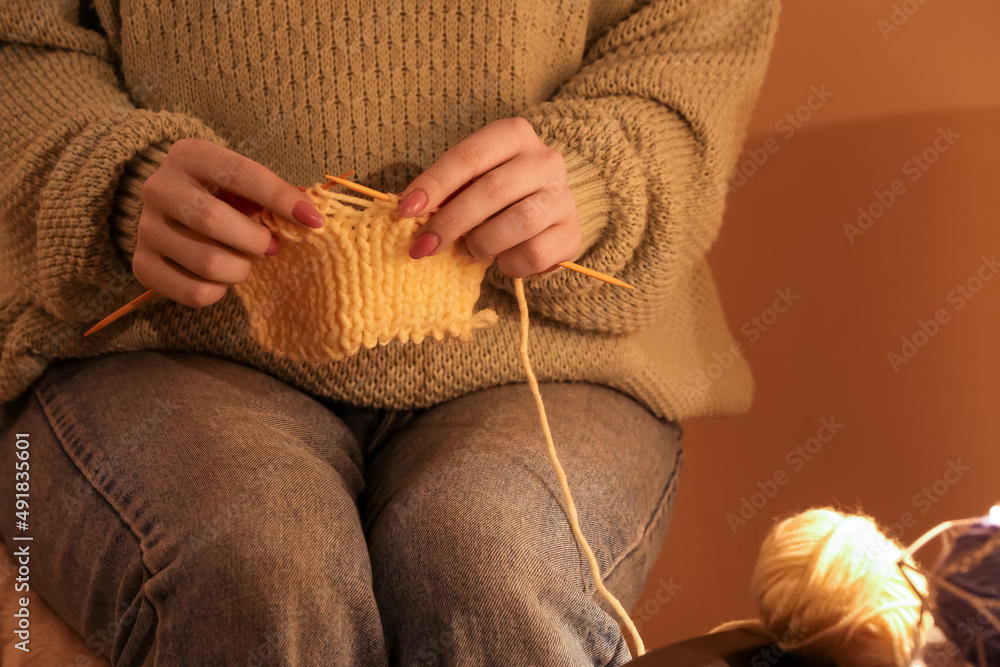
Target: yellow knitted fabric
(352, 282)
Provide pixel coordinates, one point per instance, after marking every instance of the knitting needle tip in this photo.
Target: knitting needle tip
(595, 274)
(330, 183)
(118, 313)
(375, 194)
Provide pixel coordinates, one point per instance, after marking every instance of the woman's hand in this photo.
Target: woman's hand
(192, 246)
(519, 208)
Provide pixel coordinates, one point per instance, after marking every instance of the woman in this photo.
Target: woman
(201, 500)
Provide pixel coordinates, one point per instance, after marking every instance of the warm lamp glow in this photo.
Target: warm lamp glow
(995, 514)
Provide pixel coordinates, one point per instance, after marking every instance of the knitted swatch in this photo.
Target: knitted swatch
(352, 282)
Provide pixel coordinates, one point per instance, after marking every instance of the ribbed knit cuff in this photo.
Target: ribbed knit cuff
(608, 185)
(127, 207)
(593, 202)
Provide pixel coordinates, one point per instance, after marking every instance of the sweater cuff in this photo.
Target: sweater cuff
(127, 208)
(593, 201)
(609, 187)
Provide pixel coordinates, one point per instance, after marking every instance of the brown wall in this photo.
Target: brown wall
(826, 356)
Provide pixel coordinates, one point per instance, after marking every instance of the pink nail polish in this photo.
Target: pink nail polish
(413, 204)
(424, 244)
(273, 248)
(308, 215)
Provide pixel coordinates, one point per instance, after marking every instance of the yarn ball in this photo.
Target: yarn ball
(957, 617)
(827, 585)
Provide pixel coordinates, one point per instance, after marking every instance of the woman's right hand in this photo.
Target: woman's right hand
(191, 246)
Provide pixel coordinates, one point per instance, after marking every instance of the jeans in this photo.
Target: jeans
(190, 510)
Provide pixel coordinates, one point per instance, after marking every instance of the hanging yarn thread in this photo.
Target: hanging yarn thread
(827, 585)
(352, 283)
(574, 520)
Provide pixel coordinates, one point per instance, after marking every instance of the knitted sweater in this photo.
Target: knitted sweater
(647, 100)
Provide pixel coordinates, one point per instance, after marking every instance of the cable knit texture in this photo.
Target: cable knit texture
(647, 100)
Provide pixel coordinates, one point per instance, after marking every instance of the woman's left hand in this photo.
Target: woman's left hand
(518, 207)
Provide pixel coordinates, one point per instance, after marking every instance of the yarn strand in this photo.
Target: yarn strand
(574, 520)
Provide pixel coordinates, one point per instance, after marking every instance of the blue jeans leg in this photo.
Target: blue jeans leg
(188, 510)
(473, 559)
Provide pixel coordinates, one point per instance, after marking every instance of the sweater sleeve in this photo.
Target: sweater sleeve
(650, 128)
(76, 151)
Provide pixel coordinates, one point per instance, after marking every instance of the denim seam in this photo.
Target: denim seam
(672, 482)
(57, 414)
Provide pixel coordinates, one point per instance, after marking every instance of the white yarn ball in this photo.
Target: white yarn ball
(827, 585)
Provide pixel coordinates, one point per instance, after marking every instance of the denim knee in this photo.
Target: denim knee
(469, 576)
(280, 570)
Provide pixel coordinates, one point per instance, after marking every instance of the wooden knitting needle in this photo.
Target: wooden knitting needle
(375, 194)
(595, 274)
(118, 313)
(142, 297)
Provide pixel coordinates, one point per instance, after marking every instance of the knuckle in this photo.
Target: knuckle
(435, 179)
(468, 155)
(236, 169)
(275, 189)
(527, 216)
(180, 148)
(208, 218)
(501, 124)
(214, 264)
(204, 294)
(536, 258)
(505, 263)
(544, 197)
(554, 160)
(495, 187)
(521, 125)
(150, 187)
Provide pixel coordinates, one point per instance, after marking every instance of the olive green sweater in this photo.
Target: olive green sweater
(647, 100)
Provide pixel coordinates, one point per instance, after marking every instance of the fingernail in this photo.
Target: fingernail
(413, 204)
(549, 270)
(273, 248)
(308, 215)
(425, 243)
